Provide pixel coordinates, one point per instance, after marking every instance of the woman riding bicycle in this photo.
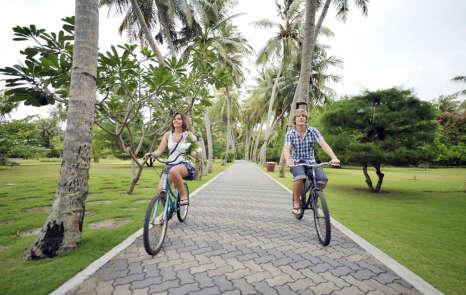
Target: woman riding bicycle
(299, 148)
(178, 143)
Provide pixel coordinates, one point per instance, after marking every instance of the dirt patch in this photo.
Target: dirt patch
(101, 202)
(131, 209)
(27, 199)
(29, 232)
(141, 202)
(2, 248)
(5, 222)
(38, 209)
(366, 190)
(89, 213)
(109, 223)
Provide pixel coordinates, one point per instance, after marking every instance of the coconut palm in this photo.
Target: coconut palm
(142, 16)
(62, 230)
(311, 31)
(460, 79)
(220, 42)
(281, 47)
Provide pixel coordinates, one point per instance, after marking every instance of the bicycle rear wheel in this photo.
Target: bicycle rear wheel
(321, 218)
(182, 211)
(155, 226)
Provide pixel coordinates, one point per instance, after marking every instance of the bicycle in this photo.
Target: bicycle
(160, 211)
(316, 202)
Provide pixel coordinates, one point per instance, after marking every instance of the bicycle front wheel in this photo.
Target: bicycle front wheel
(321, 218)
(182, 211)
(155, 226)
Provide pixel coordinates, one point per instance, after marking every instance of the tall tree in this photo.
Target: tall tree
(210, 147)
(140, 11)
(62, 229)
(165, 13)
(311, 32)
(217, 36)
(281, 46)
(460, 79)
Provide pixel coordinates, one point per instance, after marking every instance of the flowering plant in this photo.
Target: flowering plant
(192, 144)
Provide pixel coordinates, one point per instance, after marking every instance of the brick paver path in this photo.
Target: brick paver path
(240, 238)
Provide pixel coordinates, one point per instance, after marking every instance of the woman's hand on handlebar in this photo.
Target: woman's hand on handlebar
(151, 156)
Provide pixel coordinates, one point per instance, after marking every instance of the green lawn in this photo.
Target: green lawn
(26, 192)
(419, 218)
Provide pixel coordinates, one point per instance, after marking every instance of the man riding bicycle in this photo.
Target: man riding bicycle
(299, 148)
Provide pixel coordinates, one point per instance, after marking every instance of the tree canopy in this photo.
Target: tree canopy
(385, 126)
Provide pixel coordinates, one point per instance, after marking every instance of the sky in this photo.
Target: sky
(415, 44)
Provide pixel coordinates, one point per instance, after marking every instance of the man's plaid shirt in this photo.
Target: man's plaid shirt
(303, 148)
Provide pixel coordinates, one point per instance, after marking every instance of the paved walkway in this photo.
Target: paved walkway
(240, 238)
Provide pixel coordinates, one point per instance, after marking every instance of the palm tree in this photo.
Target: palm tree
(460, 79)
(219, 38)
(143, 15)
(311, 31)
(281, 46)
(62, 229)
(447, 104)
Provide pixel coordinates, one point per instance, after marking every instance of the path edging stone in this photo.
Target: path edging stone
(401, 270)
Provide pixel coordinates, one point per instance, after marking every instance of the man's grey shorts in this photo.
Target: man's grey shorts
(300, 172)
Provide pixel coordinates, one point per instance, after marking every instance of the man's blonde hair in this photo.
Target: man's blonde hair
(299, 112)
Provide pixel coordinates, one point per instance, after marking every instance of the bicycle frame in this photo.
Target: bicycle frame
(171, 200)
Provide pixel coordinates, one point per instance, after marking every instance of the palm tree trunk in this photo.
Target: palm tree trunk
(308, 48)
(321, 20)
(203, 156)
(281, 169)
(302, 89)
(146, 31)
(62, 229)
(247, 145)
(269, 122)
(256, 144)
(210, 146)
(230, 148)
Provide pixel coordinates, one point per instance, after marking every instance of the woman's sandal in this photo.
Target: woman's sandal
(184, 202)
(296, 211)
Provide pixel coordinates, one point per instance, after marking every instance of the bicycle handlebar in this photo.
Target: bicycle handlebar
(316, 164)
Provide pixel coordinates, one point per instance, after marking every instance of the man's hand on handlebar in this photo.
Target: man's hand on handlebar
(335, 163)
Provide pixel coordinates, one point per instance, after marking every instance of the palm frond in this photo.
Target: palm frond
(264, 24)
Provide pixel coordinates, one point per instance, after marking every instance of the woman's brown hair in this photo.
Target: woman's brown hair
(184, 125)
